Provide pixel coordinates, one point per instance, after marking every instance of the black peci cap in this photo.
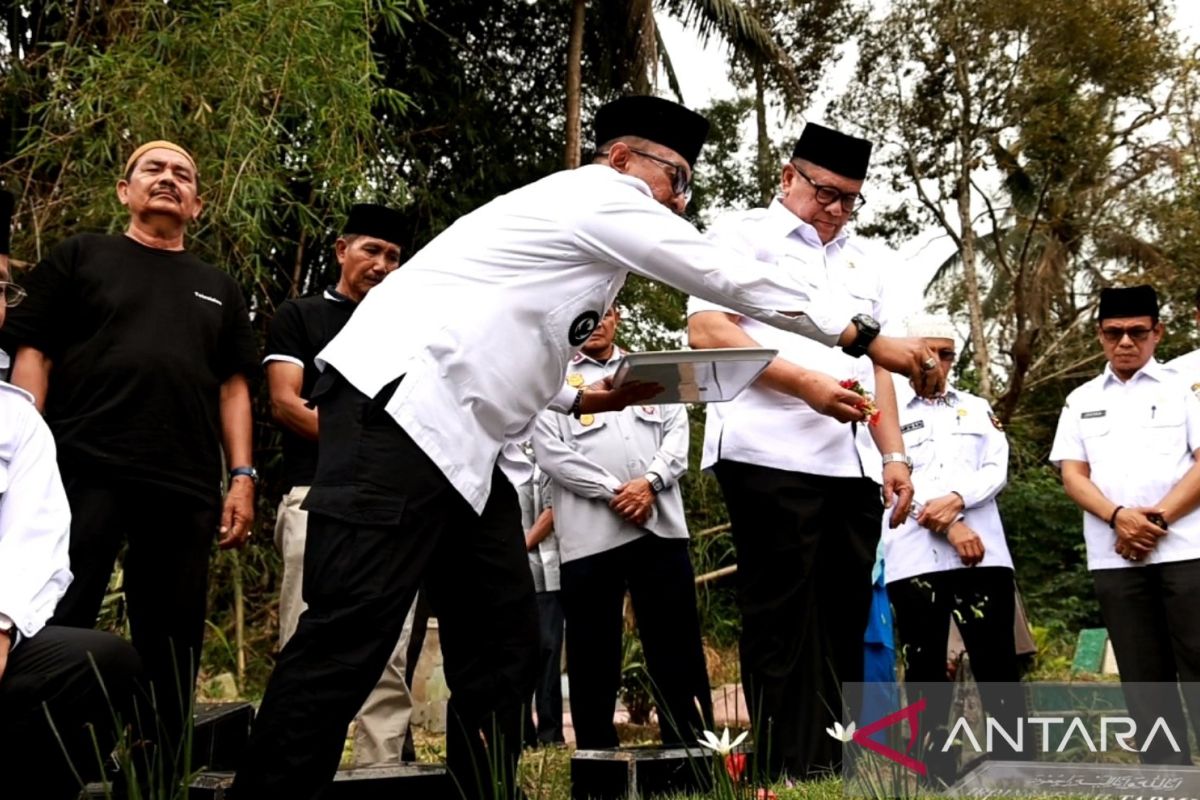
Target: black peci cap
(838, 152)
(378, 222)
(655, 119)
(1132, 301)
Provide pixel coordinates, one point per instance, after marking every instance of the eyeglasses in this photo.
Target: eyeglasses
(13, 294)
(947, 355)
(850, 201)
(1115, 335)
(681, 182)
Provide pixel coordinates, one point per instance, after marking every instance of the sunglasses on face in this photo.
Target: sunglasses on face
(1115, 334)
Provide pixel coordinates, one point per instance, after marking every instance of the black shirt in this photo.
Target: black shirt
(141, 340)
(301, 329)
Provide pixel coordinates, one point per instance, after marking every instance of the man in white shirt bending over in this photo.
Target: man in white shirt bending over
(442, 364)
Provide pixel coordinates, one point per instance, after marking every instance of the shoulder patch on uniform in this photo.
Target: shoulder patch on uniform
(1093, 414)
(996, 423)
(582, 327)
(18, 391)
(1196, 390)
(912, 426)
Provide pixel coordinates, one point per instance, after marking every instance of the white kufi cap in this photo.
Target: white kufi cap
(931, 326)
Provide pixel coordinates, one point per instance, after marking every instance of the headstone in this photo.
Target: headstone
(220, 734)
(1089, 650)
(635, 773)
(424, 781)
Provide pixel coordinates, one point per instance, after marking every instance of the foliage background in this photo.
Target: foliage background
(1053, 142)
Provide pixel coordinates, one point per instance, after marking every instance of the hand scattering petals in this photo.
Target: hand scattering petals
(868, 400)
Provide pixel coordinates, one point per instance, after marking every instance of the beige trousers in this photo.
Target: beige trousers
(382, 722)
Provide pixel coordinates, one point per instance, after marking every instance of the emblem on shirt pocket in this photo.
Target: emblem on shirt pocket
(582, 328)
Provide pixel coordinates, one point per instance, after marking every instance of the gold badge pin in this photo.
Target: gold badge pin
(575, 380)
(962, 412)
(587, 419)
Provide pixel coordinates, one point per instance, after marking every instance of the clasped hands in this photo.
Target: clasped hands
(634, 500)
(943, 515)
(1138, 530)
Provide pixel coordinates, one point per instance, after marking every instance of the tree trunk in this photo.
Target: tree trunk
(574, 82)
(979, 343)
(966, 136)
(763, 166)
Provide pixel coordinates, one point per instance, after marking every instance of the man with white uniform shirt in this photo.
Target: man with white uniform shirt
(1127, 445)
(805, 515)
(619, 515)
(949, 558)
(444, 362)
(45, 669)
(1187, 366)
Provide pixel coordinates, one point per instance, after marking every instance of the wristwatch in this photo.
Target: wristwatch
(249, 472)
(868, 329)
(888, 458)
(656, 482)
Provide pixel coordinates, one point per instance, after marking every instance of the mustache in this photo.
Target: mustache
(166, 188)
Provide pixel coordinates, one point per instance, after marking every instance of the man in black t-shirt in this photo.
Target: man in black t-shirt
(137, 352)
(366, 252)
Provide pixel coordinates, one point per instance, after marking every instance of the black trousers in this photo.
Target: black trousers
(170, 536)
(982, 603)
(1150, 612)
(548, 698)
(62, 673)
(805, 548)
(658, 575)
(384, 520)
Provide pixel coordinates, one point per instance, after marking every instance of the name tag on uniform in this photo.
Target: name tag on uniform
(1092, 414)
(912, 426)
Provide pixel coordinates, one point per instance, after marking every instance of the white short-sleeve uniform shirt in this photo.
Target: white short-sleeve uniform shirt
(1137, 438)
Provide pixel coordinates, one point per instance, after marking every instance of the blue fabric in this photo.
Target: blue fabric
(881, 694)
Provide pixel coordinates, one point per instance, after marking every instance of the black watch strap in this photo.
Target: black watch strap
(868, 329)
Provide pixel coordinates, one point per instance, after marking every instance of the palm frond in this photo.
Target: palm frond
(664, 58)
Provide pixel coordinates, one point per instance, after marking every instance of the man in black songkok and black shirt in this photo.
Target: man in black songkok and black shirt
(366, 252)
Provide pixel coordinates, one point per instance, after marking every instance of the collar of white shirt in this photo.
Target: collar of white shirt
(1153, 370)
(782, 221)
(615, 356)
(906, 396)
